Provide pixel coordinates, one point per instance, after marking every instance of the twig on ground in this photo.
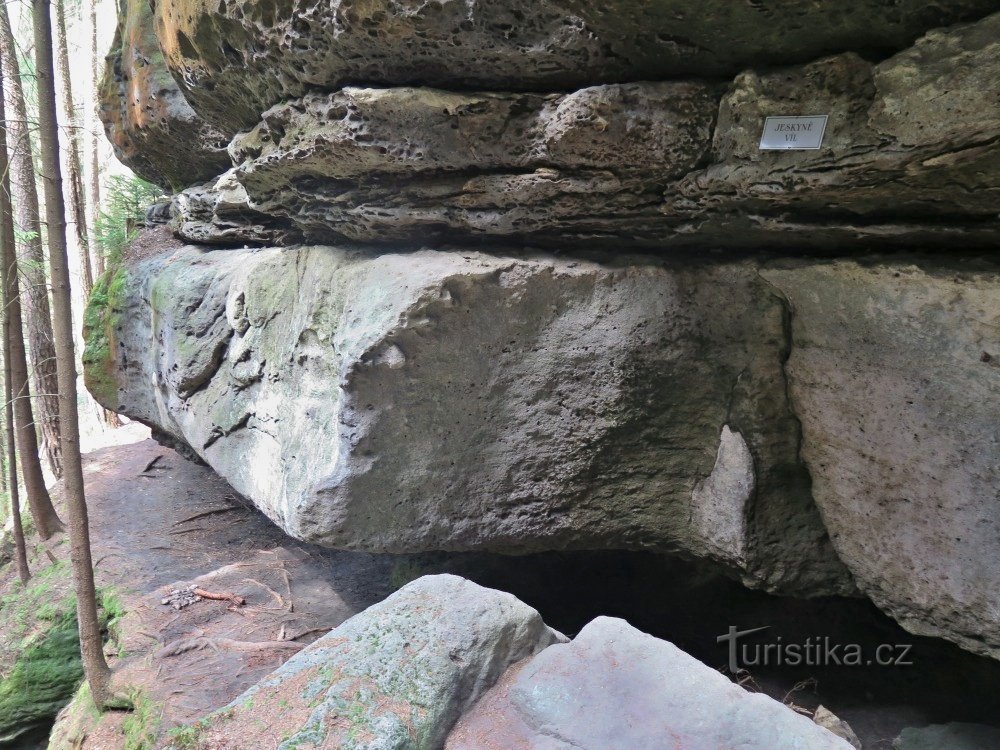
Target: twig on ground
(288, 585)
(151, 465)
(196, 516)
(239, 601)
(175, 532)
(304, 633)
(199, 643)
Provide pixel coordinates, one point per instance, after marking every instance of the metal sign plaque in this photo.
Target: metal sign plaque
(793, 133)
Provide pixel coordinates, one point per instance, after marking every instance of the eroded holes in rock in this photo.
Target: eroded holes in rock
(186, 47)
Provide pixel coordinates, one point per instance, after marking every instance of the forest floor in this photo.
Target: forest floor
(160, 522)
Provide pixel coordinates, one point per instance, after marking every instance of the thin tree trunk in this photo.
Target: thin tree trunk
(94, 192)
(8, 270)
(31, 259)
(78, 199)
(91, 646)
(46, 520)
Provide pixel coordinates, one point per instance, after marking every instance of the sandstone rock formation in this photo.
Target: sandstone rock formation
(616, 687)
(895, 373)
(401, 674)
(909, 155)
(348, 393)
(801, 425)
(397, 675)
(236, 59)
(152, 128)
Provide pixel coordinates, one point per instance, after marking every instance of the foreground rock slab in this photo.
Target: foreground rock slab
(444, 663)
(616, 688)
(396, 676)
(458, 400)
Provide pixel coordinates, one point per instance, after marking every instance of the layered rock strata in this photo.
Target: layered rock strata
(909, 156)
(812, 427)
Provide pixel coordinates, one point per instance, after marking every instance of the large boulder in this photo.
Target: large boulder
(513, 402)
(394, 677)
(237, 58)
(457, 400)
(895, 374)
(151, 127)
(909, 156)
(616, 688)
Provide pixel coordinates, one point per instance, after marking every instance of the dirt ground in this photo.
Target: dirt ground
(159, 522)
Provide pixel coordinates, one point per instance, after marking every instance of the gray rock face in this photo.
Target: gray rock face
(152, 128)
(463, 401)
(458, 400)
(909, 156)
(954, 736)
(894, 373)
(236, 59)
(218, 212)
(615, 688)
(394, 677)
(909, 153)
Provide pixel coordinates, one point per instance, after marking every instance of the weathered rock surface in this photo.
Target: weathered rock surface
(910, 152)
(830, 721)
(458, 400)
(218, 212)
(446, 664)
(152, 128)
(910, 155)
(954, 736)
(383, 164)
(396, 676)
(895, 373)
(614, 687)
(237, 58)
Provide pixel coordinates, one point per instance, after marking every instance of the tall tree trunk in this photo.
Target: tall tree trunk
(46, 520)
(10, 476)
(94, 192)
(78, 199)
(8, 272)
(31, 260)
(91, 646)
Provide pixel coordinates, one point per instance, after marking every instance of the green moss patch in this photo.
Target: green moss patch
(43, 679)
(104, 308)
(40, 665)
